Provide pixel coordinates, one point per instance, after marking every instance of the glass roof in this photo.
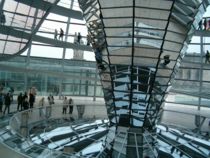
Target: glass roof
(23, 18)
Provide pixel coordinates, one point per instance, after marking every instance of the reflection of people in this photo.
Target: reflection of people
(166, 60)
(200, 25)
(205, 24)
(99, 59)
(207, 56)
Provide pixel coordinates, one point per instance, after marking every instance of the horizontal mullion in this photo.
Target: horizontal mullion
(138, 7)
(141, 37)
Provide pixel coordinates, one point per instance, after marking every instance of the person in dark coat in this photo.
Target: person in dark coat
(205, 24)
(61, 34)
(20, 101)
(2, 18)
(31, 100)
(7, 103)
(25, 104)
(71, 106)
(79, 37)
(25, 96)
(207, 57)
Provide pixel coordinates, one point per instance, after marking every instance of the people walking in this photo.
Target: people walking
(61, 34)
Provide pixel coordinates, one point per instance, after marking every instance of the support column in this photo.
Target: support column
(45, 84)
(1, 5)
(95, 86)
(197, 118)
(64, 51)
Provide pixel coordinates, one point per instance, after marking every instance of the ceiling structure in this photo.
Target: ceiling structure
(138, 45)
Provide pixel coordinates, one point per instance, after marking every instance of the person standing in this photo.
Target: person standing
(50, 99)
(207, 57)
(88, 40)
(41, 105)
(2, 18)
(65, 105)
(61, 34)
(7, 103)
(200, 25)
(205, 24)
(31, 100)
(25, 103)
(79, 37)
(71, 105)
(49, 108)
(20, 101)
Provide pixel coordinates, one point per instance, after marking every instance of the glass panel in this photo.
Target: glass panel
(116, 3)
(155, 4)
(117, 12)
(152, 14)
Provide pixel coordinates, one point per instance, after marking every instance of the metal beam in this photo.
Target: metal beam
(204, 33)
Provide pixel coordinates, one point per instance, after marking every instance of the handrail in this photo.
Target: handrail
(28, 117)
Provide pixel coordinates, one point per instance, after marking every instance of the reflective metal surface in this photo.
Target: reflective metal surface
(138, 46)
